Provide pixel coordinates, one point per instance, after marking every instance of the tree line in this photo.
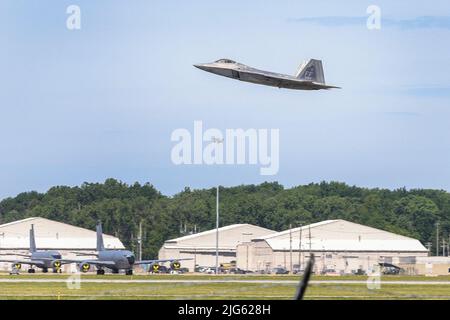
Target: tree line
(122, 207)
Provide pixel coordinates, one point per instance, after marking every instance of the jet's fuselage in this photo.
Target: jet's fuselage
(46, 259)
(123, 259)
(231, 69)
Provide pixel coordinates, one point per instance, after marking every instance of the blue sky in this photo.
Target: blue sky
(102, 101)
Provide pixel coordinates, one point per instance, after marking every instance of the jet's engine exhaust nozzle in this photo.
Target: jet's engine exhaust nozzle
(175, 265)
(84, 267)
(154, 268)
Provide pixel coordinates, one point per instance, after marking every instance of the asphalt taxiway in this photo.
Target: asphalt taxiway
(204, 281)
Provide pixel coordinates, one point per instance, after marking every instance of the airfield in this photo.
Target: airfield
(222, 287)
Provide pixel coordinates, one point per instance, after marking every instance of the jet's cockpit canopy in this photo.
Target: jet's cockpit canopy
(225, 61)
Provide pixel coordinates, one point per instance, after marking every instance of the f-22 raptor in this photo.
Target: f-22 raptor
(309, 75)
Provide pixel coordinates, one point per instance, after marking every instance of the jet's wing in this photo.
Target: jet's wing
(281, 80)
(275, 79)
(100, 263)
(28, 262)
(325, 86)
(159, 261)
(62, 261)
(94, 262)
(262, 77)
(65, 261)
(304, 84)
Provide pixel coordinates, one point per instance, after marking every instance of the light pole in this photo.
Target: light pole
(300, 250)
(290, 248)
(437, 239)
(217, 231)
(140, 240)
(218, 141)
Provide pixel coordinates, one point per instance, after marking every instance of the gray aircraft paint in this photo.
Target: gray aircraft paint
(115, 259)
(310, 75)
(112, 259)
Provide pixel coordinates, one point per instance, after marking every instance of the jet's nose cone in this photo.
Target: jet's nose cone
(202, 66)
(198, 66)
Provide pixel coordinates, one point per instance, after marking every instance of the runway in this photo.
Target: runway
(210, 281)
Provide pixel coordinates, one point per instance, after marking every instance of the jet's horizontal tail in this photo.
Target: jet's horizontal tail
(311, 70)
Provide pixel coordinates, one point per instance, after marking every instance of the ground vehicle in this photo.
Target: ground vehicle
(330, 272)
(210, 270)
(359, 272)
(14, 271)
(296, 269)
(183, 270)
(387, 268)
(237, 271)
(279, 270)
(200, 269)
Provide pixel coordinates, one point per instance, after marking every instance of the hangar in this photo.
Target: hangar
(340, 247)
(201, 247)
(50, 235)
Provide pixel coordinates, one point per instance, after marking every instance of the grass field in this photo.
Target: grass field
(223, 290)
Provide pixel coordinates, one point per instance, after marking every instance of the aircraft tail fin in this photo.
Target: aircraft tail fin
(311, 70)
(100, 246)
(32, 240)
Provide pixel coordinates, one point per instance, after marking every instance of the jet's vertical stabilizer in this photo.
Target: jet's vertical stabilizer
(32, 240)
(100, 246)
(311, 70)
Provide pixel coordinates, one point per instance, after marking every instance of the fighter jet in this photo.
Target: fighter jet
(44, 259)
(309, 75)
(118, 259)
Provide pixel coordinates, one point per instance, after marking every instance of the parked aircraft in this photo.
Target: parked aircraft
(117, 260)
(44, 259)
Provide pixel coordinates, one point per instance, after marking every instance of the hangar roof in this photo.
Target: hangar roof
(229, 237)
(51, 235)
(341, 235)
